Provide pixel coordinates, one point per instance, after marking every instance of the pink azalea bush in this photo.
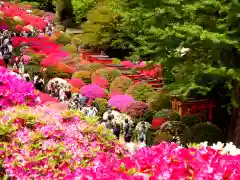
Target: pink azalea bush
(167, 161)
(120, 101)
(47, 145)
(92, 91)
(15, 91)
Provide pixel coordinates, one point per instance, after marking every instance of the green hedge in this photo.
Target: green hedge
(202, 132)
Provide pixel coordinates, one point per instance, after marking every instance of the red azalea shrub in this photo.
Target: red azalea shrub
(13, 10)
(100, 81)
(136, 109)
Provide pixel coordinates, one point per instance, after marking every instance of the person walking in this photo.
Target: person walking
(127, 132)
(117, 130)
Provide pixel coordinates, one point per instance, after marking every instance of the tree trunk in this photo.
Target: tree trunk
(64, 12)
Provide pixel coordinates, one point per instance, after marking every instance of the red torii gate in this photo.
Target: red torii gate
(193, 107)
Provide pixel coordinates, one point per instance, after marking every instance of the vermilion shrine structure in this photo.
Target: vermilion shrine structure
(203, 107)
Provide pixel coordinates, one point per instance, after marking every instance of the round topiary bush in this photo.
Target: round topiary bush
(76, 40)
(36, 58)
(162, 136)
(202, 132)
(63, 39)
(102, 105)
(136, 109)
(120, 84)
(158, 101)
(168, 115)
(190, 119)
(51, 72)
(140, 91)
(116, 61)
(100, 81)
(109, 73)
(84, 75)
(92, 67)
(174, 128)
(70, 48)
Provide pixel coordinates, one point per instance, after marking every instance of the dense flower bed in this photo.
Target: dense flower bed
(52, 146)
(13, 11)
(168, 161)
(15, 91)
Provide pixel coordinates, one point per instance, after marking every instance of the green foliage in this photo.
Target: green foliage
(174, 128)
(109, 73)
(92, 67)
(102, 105)
(52, 72)
(98, 30)
(158, 101)
(116, 61)
(70, 48)
(80, 9)
(202, 132)
(120, 84)
(84, 75)
(36, 58)
(140, 91)
(76, 40)
(64, 39)
(190, 120)
(162, 136)
(168, 114)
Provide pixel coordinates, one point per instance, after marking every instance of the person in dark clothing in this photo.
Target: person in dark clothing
(127, 132)
(39, 83)
(116, 130)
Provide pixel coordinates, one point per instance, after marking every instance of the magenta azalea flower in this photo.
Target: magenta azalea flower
(15, 91)
(92, 91)
(120, 101)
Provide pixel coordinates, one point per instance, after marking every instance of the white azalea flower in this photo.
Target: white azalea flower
(17, 18)
(29, 11)
(218, 146)
(183, 51)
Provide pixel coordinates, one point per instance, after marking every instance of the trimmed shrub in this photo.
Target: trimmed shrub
(121, 83)
(174, 128)
(102, 106)
(168, 115)
(51, 72)
(158, 101)
(116, 61)
(76, 40)
(202, 132)
(92, 67)
(100, 81)
(70, 48)
(63, 39)
(36, 58)
(148, 116)
(190, 119)
(38, 12)
(162, 136)
(140, 91)
(109, 73)
(136, 109)
(84, 75)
